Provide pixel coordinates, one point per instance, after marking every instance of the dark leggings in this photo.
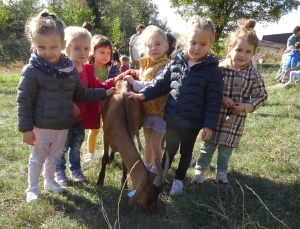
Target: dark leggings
(185, 138)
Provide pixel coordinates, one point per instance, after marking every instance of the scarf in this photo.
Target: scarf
(60, 70)
(150, 67)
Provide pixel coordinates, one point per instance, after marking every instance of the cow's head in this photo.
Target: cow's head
(147, 192)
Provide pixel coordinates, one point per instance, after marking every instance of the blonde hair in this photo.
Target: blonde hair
(245, 31)
(199, 24)
(147, 38)
(73, 32)
(44, 23)
(99, 41)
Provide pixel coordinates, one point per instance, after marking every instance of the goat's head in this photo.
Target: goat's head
(147, 192)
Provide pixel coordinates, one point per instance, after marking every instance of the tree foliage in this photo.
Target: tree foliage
(14, 15)
(225, 13)
(116, 19)
(71, 12)
(122, 17)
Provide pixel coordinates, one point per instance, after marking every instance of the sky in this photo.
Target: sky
(285, 25)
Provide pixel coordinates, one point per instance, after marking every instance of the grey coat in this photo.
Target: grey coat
(46, 102)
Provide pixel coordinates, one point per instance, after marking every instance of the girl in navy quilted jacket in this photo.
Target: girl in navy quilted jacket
(45, 109)
(194, 83)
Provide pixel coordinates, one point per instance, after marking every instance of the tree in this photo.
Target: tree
(225, 13)
(121, 17)
(15, 14)
(71, 12)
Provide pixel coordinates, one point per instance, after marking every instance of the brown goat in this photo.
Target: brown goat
(122, 119)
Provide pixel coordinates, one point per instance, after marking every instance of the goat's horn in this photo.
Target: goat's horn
(157, 181)
(166, 169)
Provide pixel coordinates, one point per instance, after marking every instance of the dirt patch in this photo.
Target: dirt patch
(279, 85)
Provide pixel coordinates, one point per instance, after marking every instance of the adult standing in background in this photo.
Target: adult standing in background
(133, 47)
(294, 37)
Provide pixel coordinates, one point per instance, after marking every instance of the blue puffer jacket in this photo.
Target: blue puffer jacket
(196, 93)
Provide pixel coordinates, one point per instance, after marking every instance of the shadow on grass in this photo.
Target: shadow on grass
(207, 205)
(238, 205)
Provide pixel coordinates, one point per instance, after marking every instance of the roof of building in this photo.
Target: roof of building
(271, 44)
(277, 38)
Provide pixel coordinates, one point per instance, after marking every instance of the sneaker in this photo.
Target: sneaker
(177, 188)
(193, 160)
(200, 177)
(88, 157)
(61, 177)
(53, 186)
(77, 175)
(221, 177)
(32, 194)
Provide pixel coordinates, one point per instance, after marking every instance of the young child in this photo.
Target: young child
(154, 45)
(105, 68)
(291, 62)
(283, 61)
(45, 92)
(194, 83)
(243, 92)
(78, 45)
(116, 58)
(124, 63)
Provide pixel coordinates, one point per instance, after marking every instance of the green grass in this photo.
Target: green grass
(264, 188)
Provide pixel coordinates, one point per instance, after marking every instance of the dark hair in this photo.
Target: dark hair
(115, 55)
(297, 45)
(296, 29)
(87, 25)
(172, 44)
(140, 26)
(99, 41)
(44, 23)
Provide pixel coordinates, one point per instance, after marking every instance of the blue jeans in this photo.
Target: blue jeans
(73, 144)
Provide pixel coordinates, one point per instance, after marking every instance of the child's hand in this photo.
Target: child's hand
(228, 102)
(206, 134)
(129, 79)
(29, 138)
(110, 91)
(135, 95)
(238, 108)
(76, 110)
(119, 77)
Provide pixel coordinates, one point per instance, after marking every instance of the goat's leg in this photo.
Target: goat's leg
(105, 161)
(163, 142)
(124, 176)
(141, 149)
(111, 156)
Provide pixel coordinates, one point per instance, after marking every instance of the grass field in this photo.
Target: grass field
(263, 190)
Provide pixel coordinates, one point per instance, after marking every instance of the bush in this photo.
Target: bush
(14, 49)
